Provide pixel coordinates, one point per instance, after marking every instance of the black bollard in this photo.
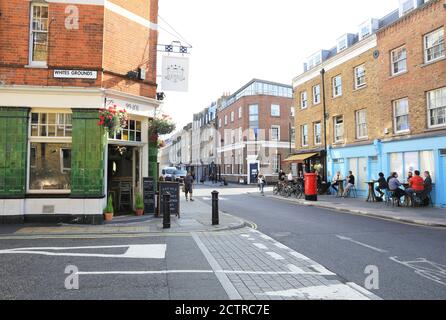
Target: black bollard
(215, 219)
(166, 210)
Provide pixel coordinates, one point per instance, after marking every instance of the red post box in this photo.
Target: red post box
(311, 186)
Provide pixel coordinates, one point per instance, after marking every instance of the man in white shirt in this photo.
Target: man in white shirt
(336, 180)
(290, 177)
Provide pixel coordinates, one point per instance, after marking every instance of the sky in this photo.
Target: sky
(235, 41)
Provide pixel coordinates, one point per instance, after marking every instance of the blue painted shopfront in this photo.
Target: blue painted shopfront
(402, 156)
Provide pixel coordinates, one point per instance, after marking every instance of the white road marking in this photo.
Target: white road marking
(296, 271)
(227, 285)
(293, 268)
(245, 235)
(264, 236)
(141, 272)
(275, 256)
(298, 255)
(322, 270)
(361, 244)
(281, 246)
(331, 292)
(428, 269)
(260, 246)
(150, 251)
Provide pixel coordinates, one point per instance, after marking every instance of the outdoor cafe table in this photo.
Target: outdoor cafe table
(340, 187)
(371, 197)
(407, 200)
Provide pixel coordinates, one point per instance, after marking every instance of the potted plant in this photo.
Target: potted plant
(139, 205)
(109, 210)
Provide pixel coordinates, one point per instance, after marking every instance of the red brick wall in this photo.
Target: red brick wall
(265, 119)
(67, 49)
(128, 46)
(104, 41)
(420, 78)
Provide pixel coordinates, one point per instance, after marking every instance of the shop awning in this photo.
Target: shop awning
(300, 157)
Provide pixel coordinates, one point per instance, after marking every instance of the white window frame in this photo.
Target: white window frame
(275, 107)
(48, 140)
(316, 94)
(135, 131)
(337, 126)
(304, 135)
(395, 63)
(293, 112)
(240, 112)
(226, 119)
(337, 88)
(31, 62)
(66, 128)
(359, 76)
(396, 116)
(62, 168)
(232, 116)
(429, 108)
(426, 49)
(278, 133)
(303, 100)
(320, 133)
(361, 125)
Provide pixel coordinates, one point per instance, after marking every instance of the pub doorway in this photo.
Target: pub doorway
(124, 177)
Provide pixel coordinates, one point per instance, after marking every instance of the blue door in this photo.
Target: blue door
(441, 183)
(253, 170)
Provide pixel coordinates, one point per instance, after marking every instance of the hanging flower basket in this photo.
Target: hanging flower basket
(161, 126)
(112, 119)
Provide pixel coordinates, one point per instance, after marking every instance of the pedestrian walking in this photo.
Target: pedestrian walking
(188, 185)
(262, 182)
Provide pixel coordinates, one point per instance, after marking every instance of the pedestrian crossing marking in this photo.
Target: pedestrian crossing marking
(149, 251)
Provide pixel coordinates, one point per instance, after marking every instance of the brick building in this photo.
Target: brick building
(203, 144)
(60, 61)
(412, 85)
(381, 99)
(254, 127)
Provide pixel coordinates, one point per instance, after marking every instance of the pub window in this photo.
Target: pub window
(130, 133)
(50, 152)
(38, 48)
(51, 124)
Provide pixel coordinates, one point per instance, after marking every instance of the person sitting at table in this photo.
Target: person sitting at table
(336, 180)
(350, 183)
(394, 186)
(382, 185)
(409, 176)
(416, 185)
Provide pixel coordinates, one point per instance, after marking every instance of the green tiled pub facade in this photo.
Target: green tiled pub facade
(13, 146)
(84, 201)
(88, 154)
